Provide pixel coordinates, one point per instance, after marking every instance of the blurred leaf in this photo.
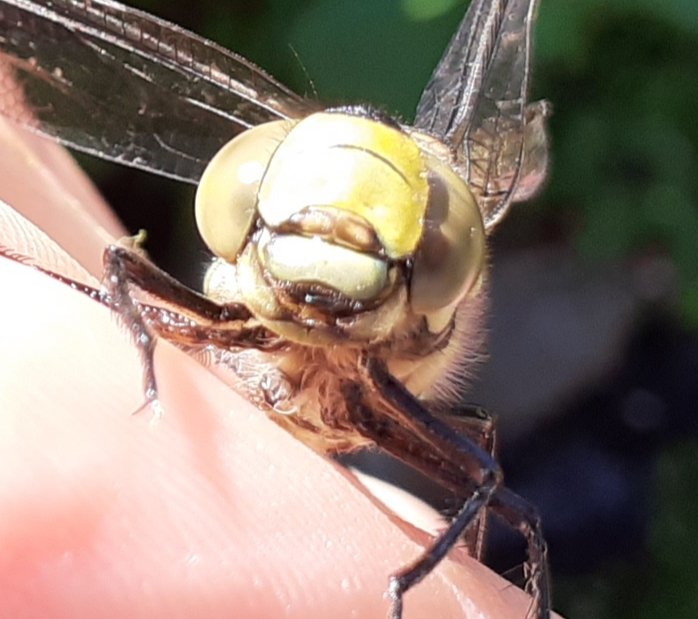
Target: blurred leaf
(367, 51)
(624, 83)
(674, 588)
(682, 14)
(422, 10)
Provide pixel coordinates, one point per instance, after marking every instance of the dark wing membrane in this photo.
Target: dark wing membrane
(126, 86)
(476, 102)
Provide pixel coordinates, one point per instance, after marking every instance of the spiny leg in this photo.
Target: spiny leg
(188, 319)
(130, 268)
(384, 411)
(520, 515)
(117, 282)
(517, 513)
(512, 509)
(391, 416)
(480, 426)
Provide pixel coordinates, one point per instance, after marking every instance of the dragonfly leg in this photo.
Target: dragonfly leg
(383, 410)
(479, 425)
(116, 282)
(476, 423)
(186, 318)
(520, 515)
(516, 512)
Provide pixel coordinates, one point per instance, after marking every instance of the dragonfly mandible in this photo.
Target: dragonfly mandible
(349, 248)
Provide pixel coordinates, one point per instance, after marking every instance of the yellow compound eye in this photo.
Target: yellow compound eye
(451, 256)
(226, 199)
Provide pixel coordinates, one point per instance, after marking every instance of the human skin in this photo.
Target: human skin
(208, 511)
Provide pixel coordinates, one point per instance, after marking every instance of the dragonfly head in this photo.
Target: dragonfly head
(339, 228)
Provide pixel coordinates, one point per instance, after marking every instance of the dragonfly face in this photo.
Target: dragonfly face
(348, 284)
(339, 229)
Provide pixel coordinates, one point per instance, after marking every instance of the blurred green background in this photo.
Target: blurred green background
(622, 76)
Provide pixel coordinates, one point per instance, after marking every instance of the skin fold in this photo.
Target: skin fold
(209, 511)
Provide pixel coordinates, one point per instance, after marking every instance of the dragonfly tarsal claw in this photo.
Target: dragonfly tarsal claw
(134, 242)
(152, 402)
(395, 592)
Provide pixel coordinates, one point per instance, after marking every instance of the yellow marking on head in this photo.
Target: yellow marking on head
(352, 163)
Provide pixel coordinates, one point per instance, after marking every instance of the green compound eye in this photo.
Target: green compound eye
(226, 200)
(451, 255)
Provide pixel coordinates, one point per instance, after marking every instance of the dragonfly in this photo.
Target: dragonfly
(349, 277)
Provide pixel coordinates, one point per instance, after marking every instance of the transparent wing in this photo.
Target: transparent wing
(476, 102)
(126, 86)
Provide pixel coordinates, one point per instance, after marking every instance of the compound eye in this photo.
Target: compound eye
(226, 199)
(451, 255)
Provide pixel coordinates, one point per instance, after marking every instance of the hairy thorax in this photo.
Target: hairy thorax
(304, 388)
